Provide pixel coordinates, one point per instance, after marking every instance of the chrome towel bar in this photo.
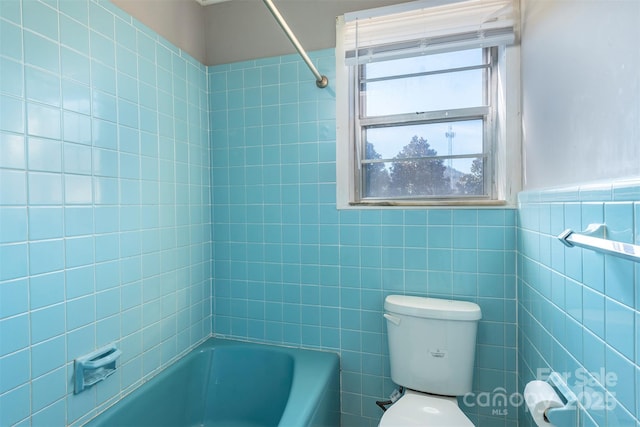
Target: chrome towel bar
(594, 238)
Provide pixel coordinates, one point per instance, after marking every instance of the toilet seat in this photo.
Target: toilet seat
(416, 409)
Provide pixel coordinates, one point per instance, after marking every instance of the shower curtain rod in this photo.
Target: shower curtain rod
(321, 80)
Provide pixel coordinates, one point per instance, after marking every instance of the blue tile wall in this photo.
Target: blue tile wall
(291, 269)
(104, 204)
(120, 156)
(579, 310)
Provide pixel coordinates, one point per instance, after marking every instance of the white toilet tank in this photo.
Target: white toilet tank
(432, 343)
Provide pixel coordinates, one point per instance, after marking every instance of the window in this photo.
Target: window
(421, 126)
(424, 112)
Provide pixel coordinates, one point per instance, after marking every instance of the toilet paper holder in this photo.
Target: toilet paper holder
(566, 415)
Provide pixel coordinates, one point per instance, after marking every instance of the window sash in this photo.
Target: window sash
(365, 80)
(407, 159)
(425, 117)
(360, 176)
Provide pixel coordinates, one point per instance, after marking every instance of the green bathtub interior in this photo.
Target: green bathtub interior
(235, 384)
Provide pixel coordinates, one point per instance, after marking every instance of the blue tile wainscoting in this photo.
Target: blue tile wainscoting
(579, 310)
(291, 269)
(104, 204)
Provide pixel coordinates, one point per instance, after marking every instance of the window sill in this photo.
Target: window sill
(427, 204)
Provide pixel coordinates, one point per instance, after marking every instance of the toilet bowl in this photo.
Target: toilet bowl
(424, 410)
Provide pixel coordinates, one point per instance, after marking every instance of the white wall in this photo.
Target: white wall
(581, 90)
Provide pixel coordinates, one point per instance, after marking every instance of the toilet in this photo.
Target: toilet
(431, 349)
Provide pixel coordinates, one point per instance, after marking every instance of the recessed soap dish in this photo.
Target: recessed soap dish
(95, 367)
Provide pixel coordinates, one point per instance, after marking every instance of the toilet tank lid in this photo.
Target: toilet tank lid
(432, 308)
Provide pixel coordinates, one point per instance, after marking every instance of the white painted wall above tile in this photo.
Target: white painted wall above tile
(581, 86)
(230, 31)
(179, 21)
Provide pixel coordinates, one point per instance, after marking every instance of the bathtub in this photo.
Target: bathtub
(235, 384)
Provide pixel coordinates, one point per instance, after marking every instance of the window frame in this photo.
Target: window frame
(505, 176)
(486, 113)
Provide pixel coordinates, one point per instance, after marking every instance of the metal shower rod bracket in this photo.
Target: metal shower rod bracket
(321, 80)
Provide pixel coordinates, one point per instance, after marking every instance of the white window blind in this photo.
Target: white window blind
(431, 26)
